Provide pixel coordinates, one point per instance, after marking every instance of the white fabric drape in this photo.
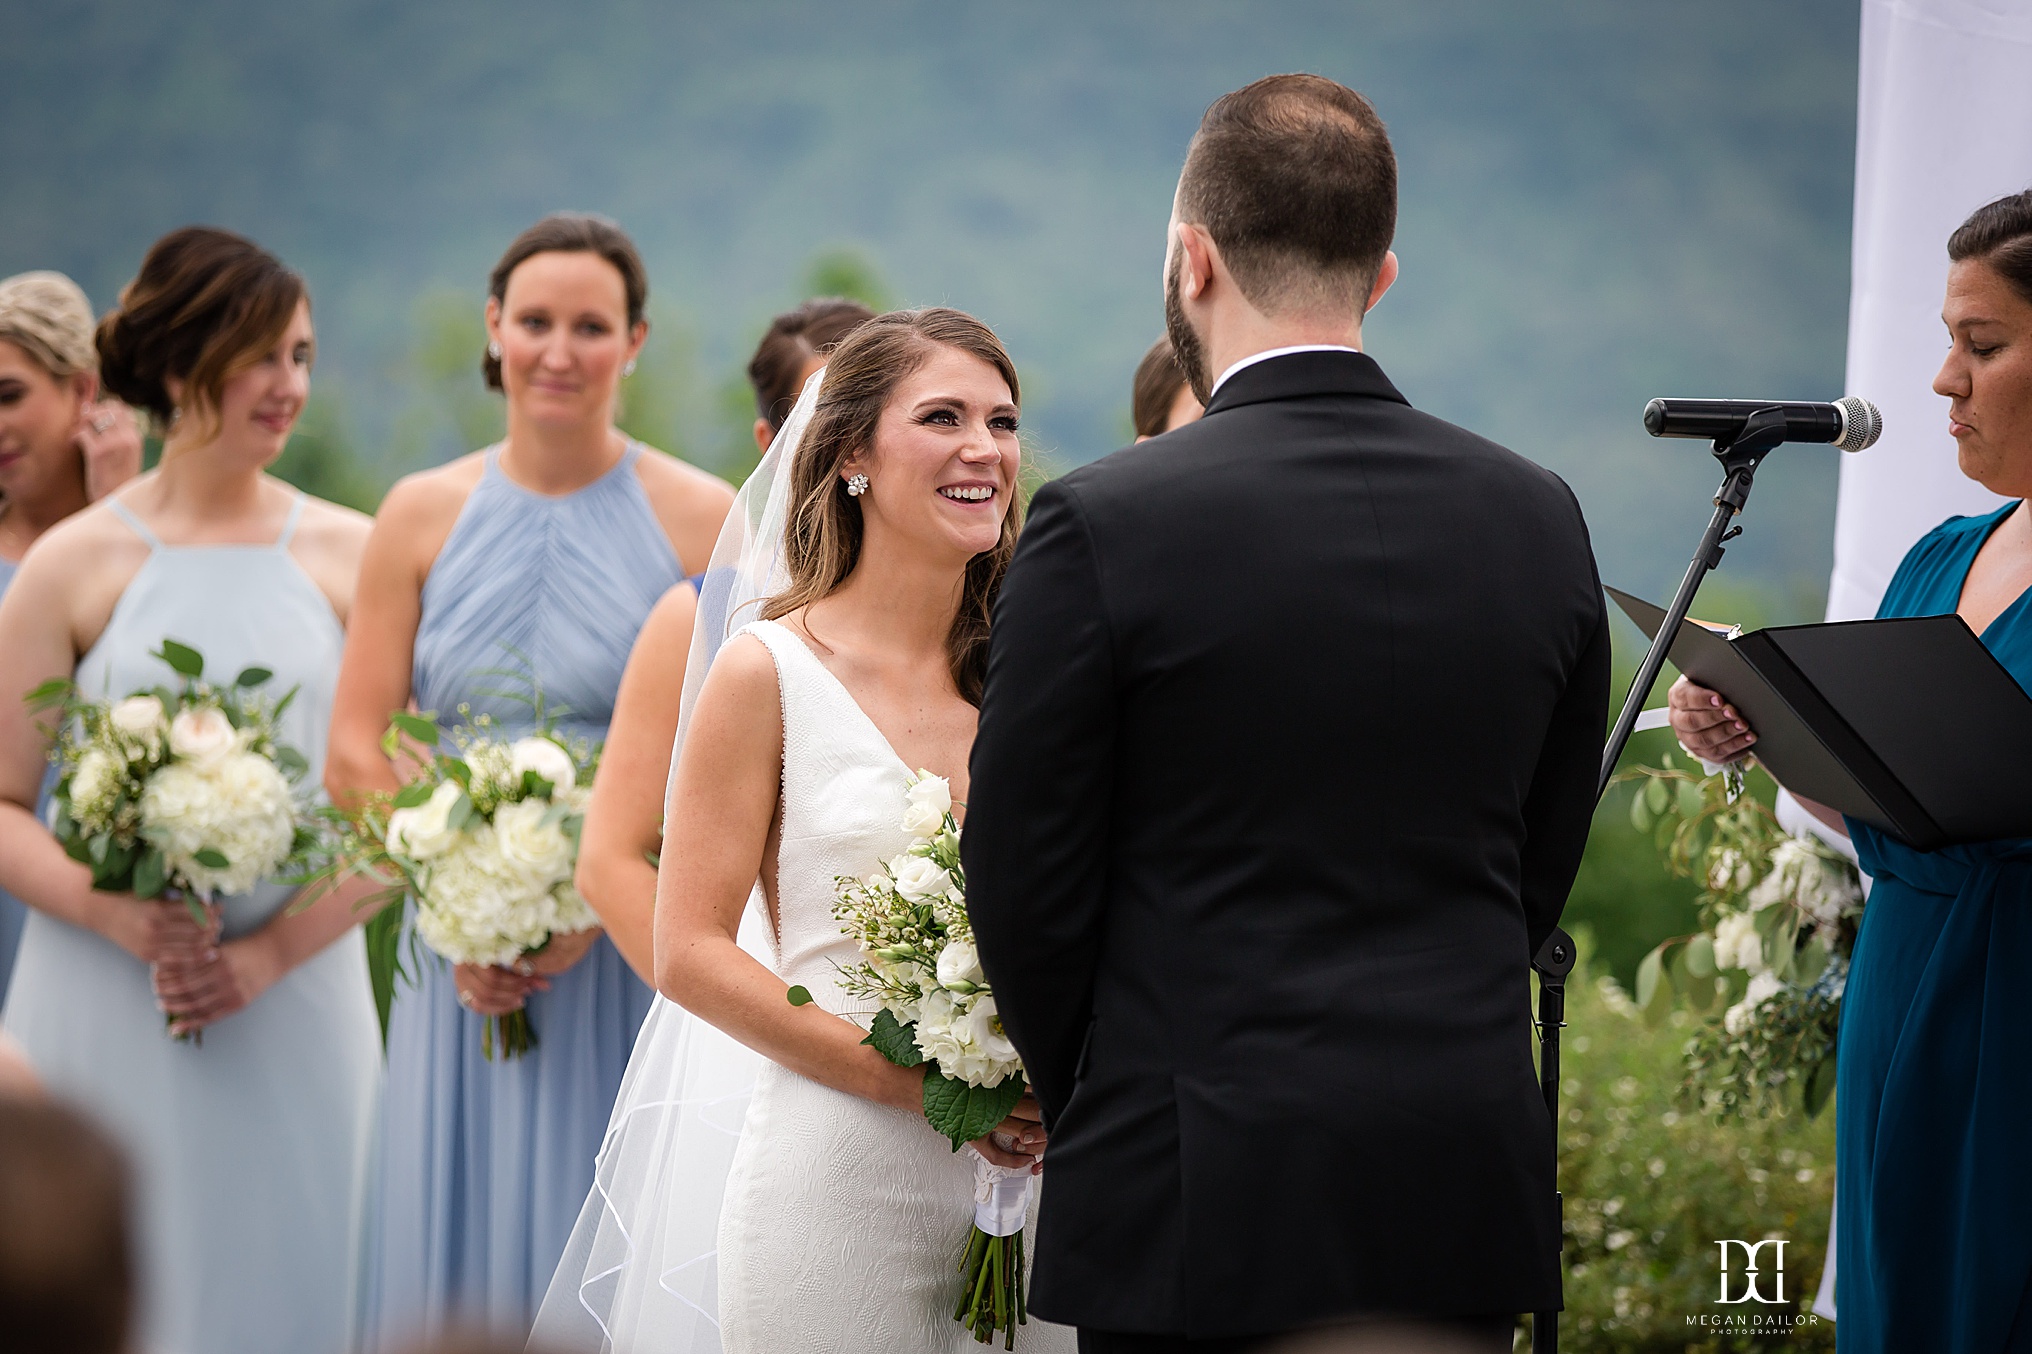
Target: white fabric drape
(1943, 125)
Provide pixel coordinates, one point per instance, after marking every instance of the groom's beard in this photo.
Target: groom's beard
(1185, 344)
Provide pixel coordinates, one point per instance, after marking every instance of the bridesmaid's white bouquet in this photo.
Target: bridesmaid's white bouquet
(934, 1007)
(180, 792)
(485, 839)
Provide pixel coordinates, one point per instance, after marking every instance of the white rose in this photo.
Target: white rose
(926, 804)
(425, 831)
(529, 843)
(545, 758)
(139, 718)
(202, 733)
(919, 877)
(960, 962)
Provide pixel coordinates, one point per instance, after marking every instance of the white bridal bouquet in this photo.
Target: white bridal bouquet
(177, 793)
(485, 839)
(910, 919)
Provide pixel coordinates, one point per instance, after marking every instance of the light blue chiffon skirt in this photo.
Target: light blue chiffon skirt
(485, 1165)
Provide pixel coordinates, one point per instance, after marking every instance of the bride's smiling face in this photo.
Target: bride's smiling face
(942, 468)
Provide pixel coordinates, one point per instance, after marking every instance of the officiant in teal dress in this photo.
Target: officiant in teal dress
(1934, 1082)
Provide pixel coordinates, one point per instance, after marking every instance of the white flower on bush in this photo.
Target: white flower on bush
(424, 832)
(925, 805)
(140, 719)
(1728, 871)
(202, 733)
(1763, 987)
(545, 758)
(1802, 876)
(237, 804)
(97, 783)
(959, 966)
(528, 840)
(1737, 944)
(919, 877)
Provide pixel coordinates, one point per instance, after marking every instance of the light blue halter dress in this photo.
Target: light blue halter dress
(485, 1165)
(12, 913)
(251, 1149)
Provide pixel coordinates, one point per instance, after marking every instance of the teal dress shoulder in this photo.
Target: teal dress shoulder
(1934, 1083)
(485, 1165)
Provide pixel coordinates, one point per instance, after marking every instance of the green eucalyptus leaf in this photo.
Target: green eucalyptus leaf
(150, 874)
(1640, 813)
(1811, 962)
(293, 763)
(283, 704)
(1819, 1086)
(55, 691)
(461, 814)
(1656, 797)
(211, 859)
(459, 769)
(182, 658)
(423, 730)
(895, 1041)
(1691, 800)
(1700, 956)
(252, 677)
(1649, 974)
(800, 995)
(962, 1112)
(415, 793)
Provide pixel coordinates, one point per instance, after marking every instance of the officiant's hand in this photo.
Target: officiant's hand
(1017, 1141)
(1708, 726)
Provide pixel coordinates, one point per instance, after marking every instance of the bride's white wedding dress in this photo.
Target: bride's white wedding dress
(739, 1206)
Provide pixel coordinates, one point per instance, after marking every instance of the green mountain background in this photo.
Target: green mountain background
(1602, 201)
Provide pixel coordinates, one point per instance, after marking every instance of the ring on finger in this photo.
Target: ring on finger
(102, 423)
(465, 999)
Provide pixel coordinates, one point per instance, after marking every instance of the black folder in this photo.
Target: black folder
(1909, 725)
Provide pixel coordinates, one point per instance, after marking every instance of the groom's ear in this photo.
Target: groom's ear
(1386, 274)
(1196, 255)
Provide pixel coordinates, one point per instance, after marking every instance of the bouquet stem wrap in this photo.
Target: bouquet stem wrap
(991, 1270)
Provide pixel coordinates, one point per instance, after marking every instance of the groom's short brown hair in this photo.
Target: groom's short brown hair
(1294, 178)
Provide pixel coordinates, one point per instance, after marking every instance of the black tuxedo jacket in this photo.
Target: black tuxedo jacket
(1285, 765)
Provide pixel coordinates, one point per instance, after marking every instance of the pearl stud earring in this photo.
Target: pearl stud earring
(857, 486)
(628, 367)
(494, 349)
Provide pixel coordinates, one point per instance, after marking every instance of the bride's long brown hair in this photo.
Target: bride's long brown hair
(822, 536)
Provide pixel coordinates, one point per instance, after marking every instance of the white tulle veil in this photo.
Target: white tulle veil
(641, 1270)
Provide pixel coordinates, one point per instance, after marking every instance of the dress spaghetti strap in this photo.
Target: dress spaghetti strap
(126, 514)
(289, 527)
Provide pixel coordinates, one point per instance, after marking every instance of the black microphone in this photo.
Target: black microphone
(1851, 423)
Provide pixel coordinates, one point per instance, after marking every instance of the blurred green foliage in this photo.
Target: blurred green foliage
(1651, 1186)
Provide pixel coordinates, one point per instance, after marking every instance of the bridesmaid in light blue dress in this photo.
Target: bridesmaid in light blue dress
(60, 445)
(543, 554)
(250, 1146)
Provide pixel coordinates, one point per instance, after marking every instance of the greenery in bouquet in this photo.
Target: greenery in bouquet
(181, 792)
(1765, 972)
(485, 838)
(934, 1010)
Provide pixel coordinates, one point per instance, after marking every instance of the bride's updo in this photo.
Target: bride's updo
(822, 536)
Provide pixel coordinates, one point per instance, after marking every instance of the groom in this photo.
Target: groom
(1285, 764)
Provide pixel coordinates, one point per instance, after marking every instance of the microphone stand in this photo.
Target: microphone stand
(1739, 455)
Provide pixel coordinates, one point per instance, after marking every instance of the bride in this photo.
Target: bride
(798, 1200)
